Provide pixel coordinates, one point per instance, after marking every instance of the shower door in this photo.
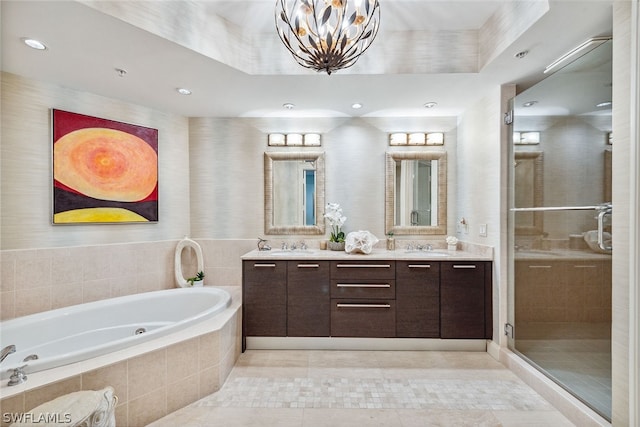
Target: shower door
(559, 228)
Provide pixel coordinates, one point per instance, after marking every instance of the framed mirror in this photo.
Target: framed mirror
(528, 191)
(294, 193)
(416, 192)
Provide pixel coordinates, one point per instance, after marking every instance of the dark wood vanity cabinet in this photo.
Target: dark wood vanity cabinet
(372, 299)
(417, 299)
(363, 299)
(465, 300)
(308, 299)
(264, 298)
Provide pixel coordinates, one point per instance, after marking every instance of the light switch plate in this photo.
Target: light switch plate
(483, 230)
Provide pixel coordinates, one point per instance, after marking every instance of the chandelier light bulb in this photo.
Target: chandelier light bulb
(327, 35)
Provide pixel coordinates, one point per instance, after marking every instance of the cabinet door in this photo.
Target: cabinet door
(264, 298)
(308, 299)
(417, 299)
(462, 299)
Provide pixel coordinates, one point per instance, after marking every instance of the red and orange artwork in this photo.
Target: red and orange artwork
(103, 171)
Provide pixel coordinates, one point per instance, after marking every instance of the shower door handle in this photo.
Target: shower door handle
(601, 215)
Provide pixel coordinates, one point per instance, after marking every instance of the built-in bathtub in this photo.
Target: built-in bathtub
(71, 334)
(190, 343)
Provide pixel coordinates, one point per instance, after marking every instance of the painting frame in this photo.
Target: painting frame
(103, 171)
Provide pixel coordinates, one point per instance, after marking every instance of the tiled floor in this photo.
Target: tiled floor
(368, 388)
(576, 355)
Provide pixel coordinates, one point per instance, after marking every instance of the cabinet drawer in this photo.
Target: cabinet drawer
(363, 318)
(363, 270)
(370, 289)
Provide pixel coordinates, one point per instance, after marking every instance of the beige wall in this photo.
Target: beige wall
(26, 167)
(227, 184)
(479, 183)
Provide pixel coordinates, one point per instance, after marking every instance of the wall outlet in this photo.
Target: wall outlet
(483, 230)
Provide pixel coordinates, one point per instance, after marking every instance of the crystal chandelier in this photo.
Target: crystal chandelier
(327, 35)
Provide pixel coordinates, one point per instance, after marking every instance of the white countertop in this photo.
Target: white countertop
(376, 254)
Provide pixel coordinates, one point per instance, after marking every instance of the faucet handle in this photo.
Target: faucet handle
(18, 376)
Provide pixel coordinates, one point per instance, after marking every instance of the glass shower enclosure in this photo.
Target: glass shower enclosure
(559, 227)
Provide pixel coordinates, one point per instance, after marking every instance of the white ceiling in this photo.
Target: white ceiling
(87, 42)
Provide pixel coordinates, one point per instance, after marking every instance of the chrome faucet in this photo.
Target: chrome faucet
(262, 245)
(7, 351)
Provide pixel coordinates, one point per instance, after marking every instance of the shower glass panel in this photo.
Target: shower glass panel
(560, 211)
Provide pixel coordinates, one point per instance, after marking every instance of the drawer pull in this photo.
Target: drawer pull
(464, 266)
(264, 265)
(363, 285)
(308, 265)
(363, 266)
(419, 265)
(339, 305)
(585, 266)
(539, 266)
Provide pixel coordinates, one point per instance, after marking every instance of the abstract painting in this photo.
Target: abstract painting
(103, 171)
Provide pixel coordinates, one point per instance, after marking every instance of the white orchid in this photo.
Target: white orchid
(333, 214)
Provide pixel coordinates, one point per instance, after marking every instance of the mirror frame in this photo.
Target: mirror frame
(391, 159)
(538, 196)
(269, 227)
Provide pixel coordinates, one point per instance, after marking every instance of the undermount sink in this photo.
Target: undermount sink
(290, 253)
(426, 253)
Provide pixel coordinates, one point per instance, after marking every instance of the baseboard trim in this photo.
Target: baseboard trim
(333, 343)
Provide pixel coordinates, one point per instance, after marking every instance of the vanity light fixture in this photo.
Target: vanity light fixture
(526, 138)
(294, 140)
(33, 43)
(312, 139)
(576, 52)
(277, 139)
(416, 138)
(327, 35)
(398, 139)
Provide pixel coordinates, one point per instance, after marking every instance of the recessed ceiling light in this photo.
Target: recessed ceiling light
(183, 91)
(529, 103)
(430, 104)
(604, 104)
(33, 43)
(288, 106)
(521, 54)
(121, 72)
(356, 105)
